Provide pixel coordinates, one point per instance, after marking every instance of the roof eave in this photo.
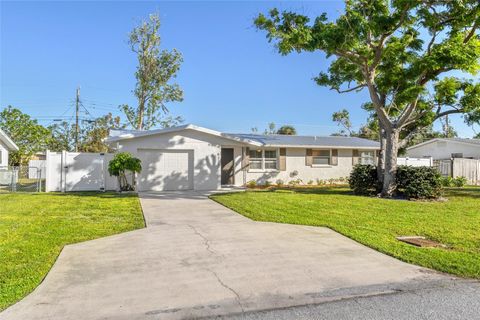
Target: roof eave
(181, 128)
(321, 146)
(8, 142)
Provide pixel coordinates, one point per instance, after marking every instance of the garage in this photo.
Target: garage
(166, 170)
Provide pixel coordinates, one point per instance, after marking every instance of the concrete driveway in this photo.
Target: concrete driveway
(197, 258)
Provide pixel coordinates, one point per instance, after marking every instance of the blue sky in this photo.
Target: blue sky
(233, 79)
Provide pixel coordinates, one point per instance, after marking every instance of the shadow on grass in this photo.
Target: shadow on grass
(466, 192)
(91, 194)
(299, 190)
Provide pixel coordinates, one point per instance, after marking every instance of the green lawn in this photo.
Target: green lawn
(376, 222)
(34, 228)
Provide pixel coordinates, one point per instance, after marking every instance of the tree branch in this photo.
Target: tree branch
(472, 32)
(360, 86)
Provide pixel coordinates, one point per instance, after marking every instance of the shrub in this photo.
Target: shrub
(419, 182)
(320, 182)
(267, 184)
(447, 181)
(363, 179)
(460, 182)
(251, 184)
(121, 163)
(295, 182)
(279, 182)
(310, 182)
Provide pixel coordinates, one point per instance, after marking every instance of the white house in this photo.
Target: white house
(6, 145)
(442, 148)
(194, 158)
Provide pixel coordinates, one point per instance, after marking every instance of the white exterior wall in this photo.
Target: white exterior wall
(295, 161)
(4, 151)
(206, 153)
(443, 150)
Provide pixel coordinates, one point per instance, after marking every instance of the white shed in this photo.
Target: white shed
(442, 148)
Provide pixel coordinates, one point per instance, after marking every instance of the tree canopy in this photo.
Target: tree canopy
(287, 130)
(28, 135)
(155, 71)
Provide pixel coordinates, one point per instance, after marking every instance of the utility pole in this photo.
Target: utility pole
(77, 111)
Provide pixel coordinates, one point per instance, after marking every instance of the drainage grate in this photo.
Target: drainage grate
(421, 242)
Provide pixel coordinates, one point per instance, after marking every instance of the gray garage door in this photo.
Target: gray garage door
(166, 170)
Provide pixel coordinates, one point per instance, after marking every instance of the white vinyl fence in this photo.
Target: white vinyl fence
(75, 171)
(36, 168)
(415, 162)
(460, 167)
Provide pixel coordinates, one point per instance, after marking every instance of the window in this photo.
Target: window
(367, 157)
(255, 159)
(457, 155)
(270, 159)
(320, 157)
(263, 159)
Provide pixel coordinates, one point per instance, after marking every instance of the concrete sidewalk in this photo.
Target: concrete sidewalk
(197, 258)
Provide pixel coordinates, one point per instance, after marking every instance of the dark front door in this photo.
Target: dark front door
(227, 166)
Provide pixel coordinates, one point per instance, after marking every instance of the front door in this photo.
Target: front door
(227, 166)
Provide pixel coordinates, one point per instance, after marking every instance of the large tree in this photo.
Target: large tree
(155, 71)
(27, 133)
(402, 52)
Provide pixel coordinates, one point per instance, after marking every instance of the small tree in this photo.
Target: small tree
(122, 163)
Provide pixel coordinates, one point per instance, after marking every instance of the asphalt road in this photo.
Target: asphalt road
(454, 300)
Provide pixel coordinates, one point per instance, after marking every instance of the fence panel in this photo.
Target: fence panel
(468, 168)
(36, 164)
(21, 179)
(444, 167)
(415, 162)
(77, 171)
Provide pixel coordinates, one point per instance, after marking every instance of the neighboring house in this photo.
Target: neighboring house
(442, 148)
(194, 158)
(6, 146)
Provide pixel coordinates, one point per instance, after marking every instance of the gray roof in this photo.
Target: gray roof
(466, 140)
(307, 141)
(258, 140)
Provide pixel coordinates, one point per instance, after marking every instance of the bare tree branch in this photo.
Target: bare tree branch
(360, 86)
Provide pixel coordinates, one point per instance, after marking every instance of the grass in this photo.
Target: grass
(34, 227)
(377, 222)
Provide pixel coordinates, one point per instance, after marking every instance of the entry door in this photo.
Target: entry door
(227, 166)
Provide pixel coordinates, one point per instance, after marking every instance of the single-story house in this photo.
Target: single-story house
(443, 148)
(190, 157)
(6, 146)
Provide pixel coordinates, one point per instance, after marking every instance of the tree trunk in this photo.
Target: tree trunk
(381, 157)
(391, 153)
(141, 111)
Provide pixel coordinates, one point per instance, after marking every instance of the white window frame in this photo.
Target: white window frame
(263, 159)
(360, 158)
(322, 157)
